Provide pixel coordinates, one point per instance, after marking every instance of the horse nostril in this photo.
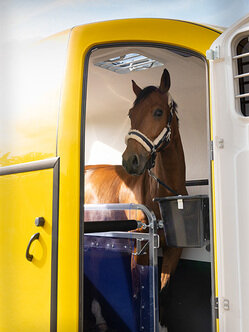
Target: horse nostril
(135, 161)
(131, 164)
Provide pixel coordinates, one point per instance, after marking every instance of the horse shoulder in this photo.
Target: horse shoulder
(102, 184)
(111, 184)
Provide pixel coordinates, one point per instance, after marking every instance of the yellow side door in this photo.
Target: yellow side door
(28, 285)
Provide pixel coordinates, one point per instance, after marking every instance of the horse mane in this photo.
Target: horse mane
(144, 93)
(174, 108)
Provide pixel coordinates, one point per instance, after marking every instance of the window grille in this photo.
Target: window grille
(242, 59)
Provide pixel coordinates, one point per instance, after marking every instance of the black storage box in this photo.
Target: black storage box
(185, 219)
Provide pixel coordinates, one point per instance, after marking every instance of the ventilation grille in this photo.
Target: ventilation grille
(242, 78)
(129, 62)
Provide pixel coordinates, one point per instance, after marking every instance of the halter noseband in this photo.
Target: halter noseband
(152, 146)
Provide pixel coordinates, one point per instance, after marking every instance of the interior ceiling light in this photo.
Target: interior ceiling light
(129, 62)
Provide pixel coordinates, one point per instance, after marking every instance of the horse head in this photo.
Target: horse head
(151, 117)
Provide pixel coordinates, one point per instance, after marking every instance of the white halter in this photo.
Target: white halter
(164, 136)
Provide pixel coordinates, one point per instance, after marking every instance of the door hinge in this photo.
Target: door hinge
(213, 54)
(211, 150)
(216, 307)
(226, 304)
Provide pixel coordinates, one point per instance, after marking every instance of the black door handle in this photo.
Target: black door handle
(32, 239)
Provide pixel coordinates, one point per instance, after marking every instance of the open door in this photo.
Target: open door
(107, 123)
(107, 97)
(229, 75)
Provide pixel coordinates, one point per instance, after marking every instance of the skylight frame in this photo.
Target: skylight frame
(129, 62)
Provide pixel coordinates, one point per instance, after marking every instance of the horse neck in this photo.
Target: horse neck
(170, 166)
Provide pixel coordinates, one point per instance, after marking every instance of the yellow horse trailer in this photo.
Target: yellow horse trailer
(67, 107)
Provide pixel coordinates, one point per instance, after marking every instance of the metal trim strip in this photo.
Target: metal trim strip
(54, 253)
(241, 75)
(244, 55)
(29, 166)
(212, 204)
(242, 95)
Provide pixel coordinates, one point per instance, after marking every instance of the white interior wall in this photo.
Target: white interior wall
(110, 96)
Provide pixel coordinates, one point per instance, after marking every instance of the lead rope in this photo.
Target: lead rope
(162, 183)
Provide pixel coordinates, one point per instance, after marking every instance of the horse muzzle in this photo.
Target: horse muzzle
(134, 164)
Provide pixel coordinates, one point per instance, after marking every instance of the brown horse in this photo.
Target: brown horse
(153, 142)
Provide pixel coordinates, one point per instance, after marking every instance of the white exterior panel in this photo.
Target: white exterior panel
(231, 177)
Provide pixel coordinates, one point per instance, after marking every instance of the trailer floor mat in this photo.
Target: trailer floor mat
(186, 302)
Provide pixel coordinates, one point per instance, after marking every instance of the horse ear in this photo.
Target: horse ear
(165, 81)
(136, 88)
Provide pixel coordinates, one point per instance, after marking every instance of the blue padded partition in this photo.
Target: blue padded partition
(123, 293)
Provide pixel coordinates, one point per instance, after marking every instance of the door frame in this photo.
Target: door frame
(82, 162)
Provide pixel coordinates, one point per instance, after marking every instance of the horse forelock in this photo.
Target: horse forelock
(144, 94)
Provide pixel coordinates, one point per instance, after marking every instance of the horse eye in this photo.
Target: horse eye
(158, 112)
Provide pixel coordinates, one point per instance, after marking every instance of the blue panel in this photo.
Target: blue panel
(123, 295)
